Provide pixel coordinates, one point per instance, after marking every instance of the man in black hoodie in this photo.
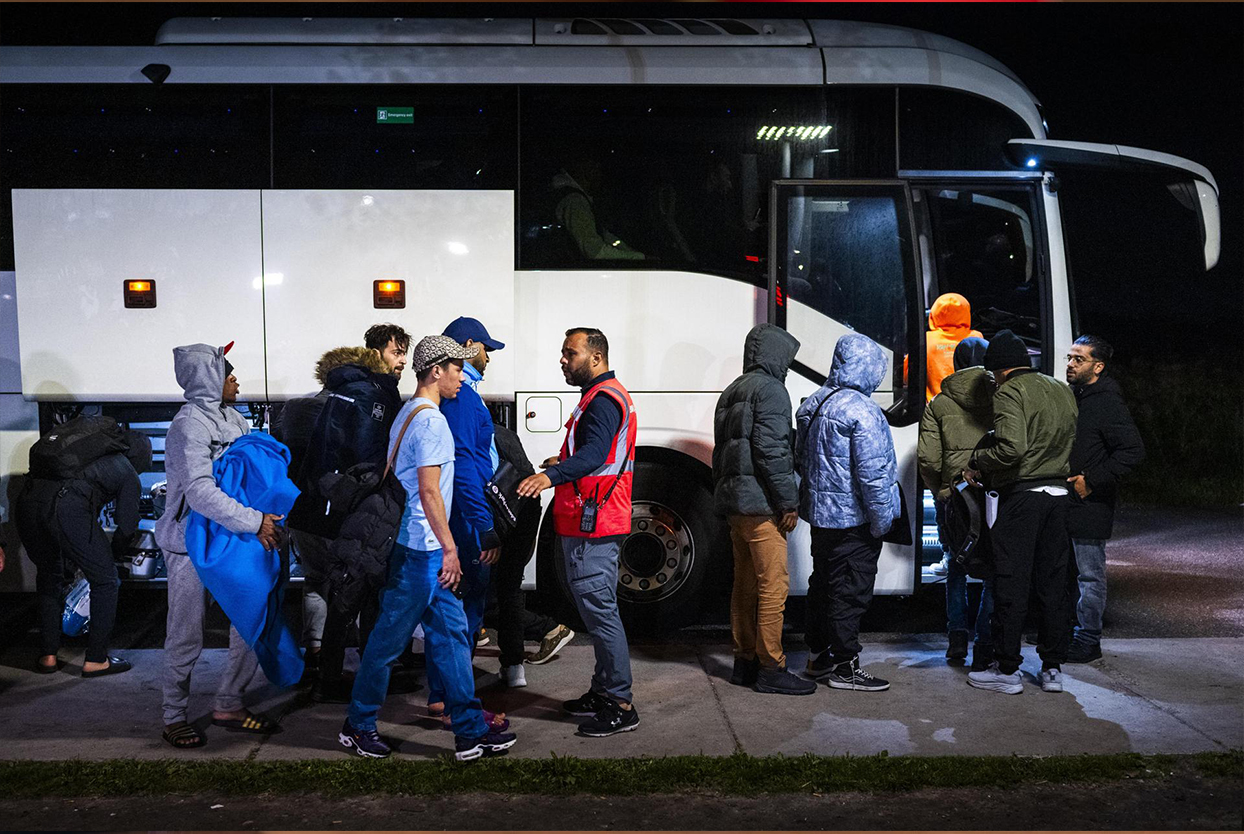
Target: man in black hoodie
(1107, 447)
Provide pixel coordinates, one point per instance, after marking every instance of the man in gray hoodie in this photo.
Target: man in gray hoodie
(200, 433)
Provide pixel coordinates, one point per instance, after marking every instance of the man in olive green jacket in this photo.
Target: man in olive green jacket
(953, 424)
(1034, 429)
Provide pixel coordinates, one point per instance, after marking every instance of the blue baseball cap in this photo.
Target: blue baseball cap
(463, 328)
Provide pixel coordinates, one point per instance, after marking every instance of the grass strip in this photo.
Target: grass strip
(739, 775)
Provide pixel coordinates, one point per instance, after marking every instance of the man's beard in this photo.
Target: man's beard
(580, 377)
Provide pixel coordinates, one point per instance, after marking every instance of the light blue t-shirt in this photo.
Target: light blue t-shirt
(428, 442)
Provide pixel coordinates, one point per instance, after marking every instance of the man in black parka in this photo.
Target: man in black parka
(754, 487)
(1107, 447)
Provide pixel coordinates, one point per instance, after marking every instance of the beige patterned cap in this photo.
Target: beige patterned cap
(434, 350)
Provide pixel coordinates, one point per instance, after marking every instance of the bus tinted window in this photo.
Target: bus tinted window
(394, 136)
(985, 241)
(677, 177)
(129, 136)
(947, 130)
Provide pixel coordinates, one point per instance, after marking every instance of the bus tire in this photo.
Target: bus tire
(675, 540)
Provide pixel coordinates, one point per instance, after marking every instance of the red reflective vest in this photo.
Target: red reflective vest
(613, 518)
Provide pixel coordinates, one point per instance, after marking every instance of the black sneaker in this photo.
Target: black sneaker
(1083, 652)
(489, 744)
(982, 656)
(745, 671)
(849, 675)
(366, 743)
(588, 704)
(778, 681)
(819, 665)
(958, 648)
(611, 720)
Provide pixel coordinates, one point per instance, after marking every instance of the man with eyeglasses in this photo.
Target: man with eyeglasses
(1107, 447)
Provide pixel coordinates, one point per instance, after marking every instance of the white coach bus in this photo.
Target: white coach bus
(286, 183)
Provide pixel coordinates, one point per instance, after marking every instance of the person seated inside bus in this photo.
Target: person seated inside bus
(700, 225)
(58, 520)
(573, 193)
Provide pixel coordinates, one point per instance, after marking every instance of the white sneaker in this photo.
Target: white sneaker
(943, 567)
(993, 680)
(514, 676)
(1051, 680)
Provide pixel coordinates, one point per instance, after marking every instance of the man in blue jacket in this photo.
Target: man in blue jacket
(475, 460)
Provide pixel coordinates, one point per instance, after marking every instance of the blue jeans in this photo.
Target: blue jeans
(1090, 557)
(474, 587)
(592, 571)
(957, 592)
(410, 596)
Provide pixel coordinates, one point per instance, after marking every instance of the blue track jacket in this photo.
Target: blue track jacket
(470, 519)
(243, 577)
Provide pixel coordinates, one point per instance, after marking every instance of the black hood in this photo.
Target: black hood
(770, 349)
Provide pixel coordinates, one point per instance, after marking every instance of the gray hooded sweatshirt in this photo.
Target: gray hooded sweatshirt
(199, 434)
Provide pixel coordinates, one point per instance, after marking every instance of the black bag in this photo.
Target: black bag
(900, 530)
(503, 498)
(65, 450)
(967, 532)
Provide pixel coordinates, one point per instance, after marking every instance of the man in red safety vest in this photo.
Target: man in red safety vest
(592, 517)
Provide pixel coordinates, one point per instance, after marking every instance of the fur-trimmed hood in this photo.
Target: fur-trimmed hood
(364, 357)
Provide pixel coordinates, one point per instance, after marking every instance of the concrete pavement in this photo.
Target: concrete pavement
(1147, 695)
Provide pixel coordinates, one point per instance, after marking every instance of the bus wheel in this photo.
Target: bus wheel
(674, 540)
(668, 554)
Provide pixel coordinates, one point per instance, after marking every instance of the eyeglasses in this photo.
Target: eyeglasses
(1079, 360)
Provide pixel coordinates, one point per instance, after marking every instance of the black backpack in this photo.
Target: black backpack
(65, 450)
(967, 531)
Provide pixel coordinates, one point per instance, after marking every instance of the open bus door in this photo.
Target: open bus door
(843, 259)
(1191, 184)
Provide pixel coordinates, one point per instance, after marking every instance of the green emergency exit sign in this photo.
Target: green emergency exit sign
(395, 115)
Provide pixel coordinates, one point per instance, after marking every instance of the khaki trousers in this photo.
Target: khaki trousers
(761, 583)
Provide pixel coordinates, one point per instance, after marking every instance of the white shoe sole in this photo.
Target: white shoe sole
(349, 744)
(993, 686)
(480, 750)
(561, 644)
(1051, 687)
(856, 687)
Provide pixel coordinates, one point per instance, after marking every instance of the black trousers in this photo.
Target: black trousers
(337, 625)
(514, 621)
(844, 570)
(56, 523)
(1031, 555)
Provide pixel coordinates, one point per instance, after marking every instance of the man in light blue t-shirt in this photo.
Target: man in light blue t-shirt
(424, 570)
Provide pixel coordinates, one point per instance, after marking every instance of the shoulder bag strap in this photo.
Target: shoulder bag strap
(389, 464)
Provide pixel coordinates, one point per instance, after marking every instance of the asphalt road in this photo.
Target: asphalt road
(1172, 573)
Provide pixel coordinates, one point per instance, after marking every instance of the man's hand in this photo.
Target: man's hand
(973, 477)
(787, 521)
(1080, 486)
(1, 558)
(553, 461)
(450, 573)
(534, 485)
(269, 534)
(490, 556)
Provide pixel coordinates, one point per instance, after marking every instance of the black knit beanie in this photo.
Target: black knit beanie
(1006, 350)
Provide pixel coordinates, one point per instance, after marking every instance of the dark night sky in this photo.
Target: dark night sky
(1157, 76)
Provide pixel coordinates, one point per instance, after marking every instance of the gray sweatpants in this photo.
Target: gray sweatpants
(592, 571)
(315, 557)
(183, 643)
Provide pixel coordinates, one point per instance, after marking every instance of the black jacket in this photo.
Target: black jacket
(360, 403)
(51, 506)
(360, 550)
(1107, 447)
(753, 462)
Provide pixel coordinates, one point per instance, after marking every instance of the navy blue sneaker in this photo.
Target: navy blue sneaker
(489, 744)
(366, 743)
